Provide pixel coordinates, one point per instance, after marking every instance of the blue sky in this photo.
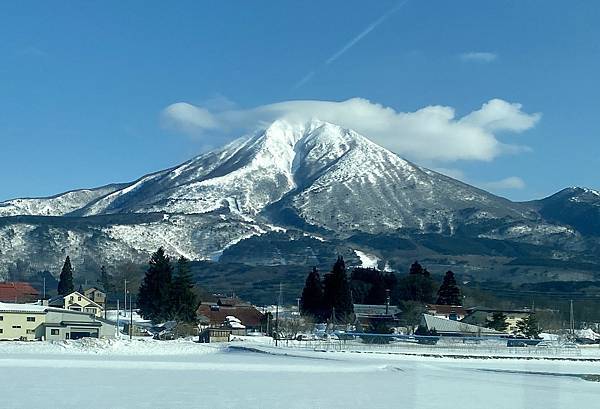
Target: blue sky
(84, 85)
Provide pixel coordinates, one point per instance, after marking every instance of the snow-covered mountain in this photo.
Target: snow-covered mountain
(318, 178)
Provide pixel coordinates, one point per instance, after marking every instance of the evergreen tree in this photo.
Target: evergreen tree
(416, 286)
(377, 293)
(65, 282)
(311, 302)
(154, 297)
(449, 293)
(498, 322)
(416, 269)
(106, 281)
(338, 298)
(529, 326)
(183, 297)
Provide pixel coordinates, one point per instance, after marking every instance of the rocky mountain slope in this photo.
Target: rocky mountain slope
(311, 189)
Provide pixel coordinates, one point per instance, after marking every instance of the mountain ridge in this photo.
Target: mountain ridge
(291, 178)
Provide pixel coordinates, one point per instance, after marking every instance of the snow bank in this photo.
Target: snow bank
(140, 346)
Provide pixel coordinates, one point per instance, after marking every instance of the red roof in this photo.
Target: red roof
(17, 292)
(248, 315)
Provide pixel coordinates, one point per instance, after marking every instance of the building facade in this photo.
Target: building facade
(76, 301)
(29, 322)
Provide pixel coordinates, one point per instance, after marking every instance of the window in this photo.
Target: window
(1, 331)
(16, 326)
(30, 331)
(92, 310)
(1, 318)
(30, 319)
(71, 298)
(54, 332)
(79, 298)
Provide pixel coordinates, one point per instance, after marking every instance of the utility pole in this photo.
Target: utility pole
(44, 296)
(130, 317)
(118, 313)
(572, 320)
(277, 316)
(125, 294)
(387, 301)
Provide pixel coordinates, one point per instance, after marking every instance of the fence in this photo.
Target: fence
(443, 346)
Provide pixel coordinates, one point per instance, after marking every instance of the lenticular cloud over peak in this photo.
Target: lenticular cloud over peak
(432, 134)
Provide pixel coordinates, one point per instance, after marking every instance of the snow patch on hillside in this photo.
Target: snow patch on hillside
(367, 260)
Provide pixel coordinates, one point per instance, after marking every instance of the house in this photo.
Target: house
(216, 315)
(446, 327)
(21, 321)
(480, 316)
(96, 295)
(449, 312)
(370, 314)
(76, 301)
(18, 292)
(41, 322)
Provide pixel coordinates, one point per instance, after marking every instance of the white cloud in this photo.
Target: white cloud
(509, 183)
(481, 57)
(431, 134)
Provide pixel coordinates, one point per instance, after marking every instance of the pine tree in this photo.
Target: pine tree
(416, 269)
(336, 294)
(65, 282)
(377, 293)
(498, 322)
(183, 298)
(449, 293)
(529, 326)
(105, 281)
(154, 297)
(311, 302)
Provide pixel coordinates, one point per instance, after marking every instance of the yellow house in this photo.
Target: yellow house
(28, 322)
(21, 321)
(77, 302)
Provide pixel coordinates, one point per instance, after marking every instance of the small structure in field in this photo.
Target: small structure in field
(210, 335)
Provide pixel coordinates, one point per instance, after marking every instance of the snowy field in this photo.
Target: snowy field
(183, 374)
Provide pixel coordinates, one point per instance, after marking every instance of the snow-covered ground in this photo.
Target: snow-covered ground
(254, 374)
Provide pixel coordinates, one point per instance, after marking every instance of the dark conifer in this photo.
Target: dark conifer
(449, 293)
(529, 326)
(105, 280)
(377, 293)
(154, 297)
(311, 302)
(416, 269)
(338, 298)
(183, 298)
(65, 282)
(497, 322)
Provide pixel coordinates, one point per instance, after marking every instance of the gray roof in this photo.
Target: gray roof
(443, 325)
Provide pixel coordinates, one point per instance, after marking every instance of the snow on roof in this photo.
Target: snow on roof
(10, 307)
(232, 318)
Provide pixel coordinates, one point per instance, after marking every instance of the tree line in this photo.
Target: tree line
(166, 292)
(334, 296)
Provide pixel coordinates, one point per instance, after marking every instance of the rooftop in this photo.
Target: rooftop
(17, 291)
(443, 325)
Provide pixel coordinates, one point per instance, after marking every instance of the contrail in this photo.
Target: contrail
(352, 42)
(364, 33)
